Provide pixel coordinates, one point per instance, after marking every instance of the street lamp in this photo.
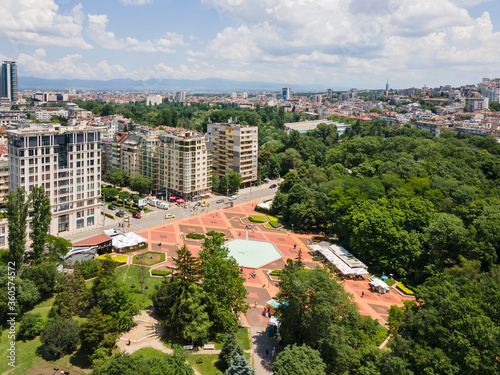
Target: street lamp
(292, 228)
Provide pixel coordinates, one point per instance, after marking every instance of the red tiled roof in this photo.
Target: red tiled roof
(92, 241)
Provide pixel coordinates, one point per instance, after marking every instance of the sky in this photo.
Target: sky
(335, 43)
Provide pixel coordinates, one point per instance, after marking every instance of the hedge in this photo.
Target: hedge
(275, 224)
(195, 236)
(276, 273)
(257, 219)
(213, 233)
(160, 273)
(404, 289)
(272, 218)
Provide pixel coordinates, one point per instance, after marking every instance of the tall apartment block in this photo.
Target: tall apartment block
(286, 93)
(177, 160)
(235, 148)
(66, 161)
(8, 81)
(180, 96)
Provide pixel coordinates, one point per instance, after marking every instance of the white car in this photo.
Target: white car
(232, 197)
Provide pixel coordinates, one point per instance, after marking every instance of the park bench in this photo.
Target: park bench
(209, 346)
(188, 347)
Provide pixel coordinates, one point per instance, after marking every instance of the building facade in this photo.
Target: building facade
(66, 161)
(180, 96)
(235, 148)
(286, 93)
(154, 100)
(8, 81)
(177, 161)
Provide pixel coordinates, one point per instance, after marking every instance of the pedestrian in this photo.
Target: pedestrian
(254, 274)
(294, 245)
(267, 352)
(128, 342)
(273, 351)
(362, 294)
(255, 304)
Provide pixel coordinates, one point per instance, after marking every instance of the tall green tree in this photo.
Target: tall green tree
(59, 337)
(240, 366)
(299, 360)
(98, 331)
(17, 212)
(223, 284)
(115, 176)
(44, 275)
(454, 325)
(72, 296)
(316, 311)
(141, 184)
(57, 247)
(179, 300)
(230, 348)
(40, 221)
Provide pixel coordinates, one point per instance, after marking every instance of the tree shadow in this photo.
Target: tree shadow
(261, 342)
(80, 359)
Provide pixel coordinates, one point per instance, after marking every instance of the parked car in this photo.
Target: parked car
(103, 203)
(232, 197)
(205, 204)
(169, 216)
(111, 207)
(135, 215)
(119, 213)
(125, 219)
(273, 186)
(220, 201)
(163, 206)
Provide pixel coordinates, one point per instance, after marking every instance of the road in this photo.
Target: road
(156, 217)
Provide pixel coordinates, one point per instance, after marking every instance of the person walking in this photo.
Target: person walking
(362, 294)
(267, 352)
(255, 304)
(273, 353)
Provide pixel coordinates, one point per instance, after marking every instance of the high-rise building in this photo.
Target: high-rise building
(286, 93)
(235, 148)
(8, 81)
(177, 160)
(66, 161)
(180, 96)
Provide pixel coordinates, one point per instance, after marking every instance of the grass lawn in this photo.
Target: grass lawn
(242, 336)
(133, 277)
(26, 351)
(208, 365)
(116, 258)
(149, 258)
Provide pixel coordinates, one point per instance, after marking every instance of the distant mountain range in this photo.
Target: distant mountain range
(204, 85)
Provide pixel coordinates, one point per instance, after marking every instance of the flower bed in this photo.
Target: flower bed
(404, 289)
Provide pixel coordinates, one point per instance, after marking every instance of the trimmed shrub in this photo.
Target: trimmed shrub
(213, 233)
(275, 224)
(404, 289)
(89, 268)
(199, 360)
(276, 273)
(272, 218)
(257, 219)
(195, 236)
(160, 273)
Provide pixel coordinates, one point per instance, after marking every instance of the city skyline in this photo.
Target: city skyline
(338, 43)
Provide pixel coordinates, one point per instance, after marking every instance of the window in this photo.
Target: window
(79, 223)
(90, 221)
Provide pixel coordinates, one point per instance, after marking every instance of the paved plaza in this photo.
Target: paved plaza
(169, 236)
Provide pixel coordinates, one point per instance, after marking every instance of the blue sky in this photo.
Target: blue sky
(338, 43)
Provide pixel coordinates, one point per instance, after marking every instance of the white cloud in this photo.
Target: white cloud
(69, 66)
(135, 2)
(107, 39)
(325, 38)
(28, 22)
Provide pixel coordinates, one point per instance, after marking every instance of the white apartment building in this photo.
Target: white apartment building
(46, 115)
(66, 161)
(154, 100)
(235, 148)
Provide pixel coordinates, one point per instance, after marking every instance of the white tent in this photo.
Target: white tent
(127, 240)
(264, 205)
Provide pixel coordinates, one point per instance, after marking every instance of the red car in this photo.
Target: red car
(136, 215)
